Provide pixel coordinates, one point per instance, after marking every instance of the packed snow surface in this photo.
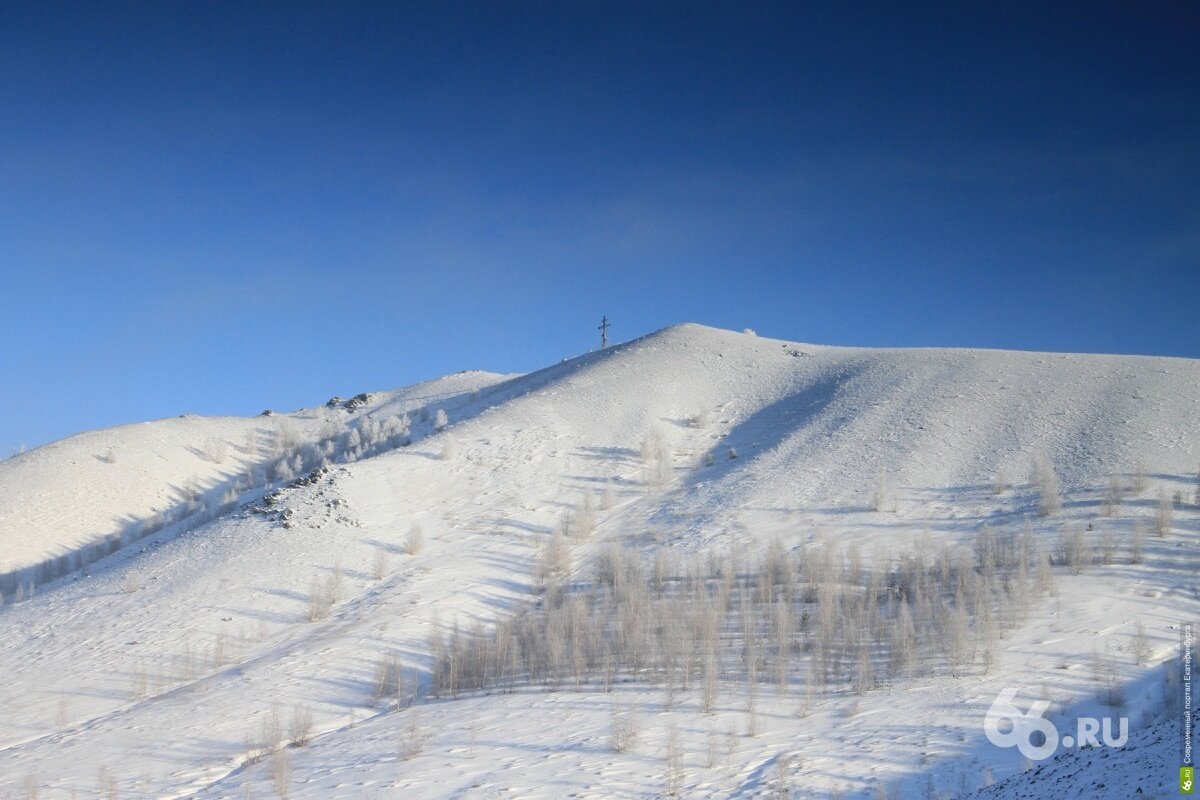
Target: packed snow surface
(160, 669)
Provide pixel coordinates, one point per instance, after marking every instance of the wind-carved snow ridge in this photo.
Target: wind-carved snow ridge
(360, 642)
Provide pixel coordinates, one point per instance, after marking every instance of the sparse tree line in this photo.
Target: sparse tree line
(817, 616)
(290, 457)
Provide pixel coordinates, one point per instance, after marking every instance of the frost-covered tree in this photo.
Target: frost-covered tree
(354, 445)
(397, 429)
(440, 419)
(283, 470)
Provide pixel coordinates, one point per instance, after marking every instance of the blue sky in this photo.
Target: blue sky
(217, 208)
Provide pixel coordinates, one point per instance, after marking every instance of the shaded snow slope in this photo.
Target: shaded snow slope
(1146, 768)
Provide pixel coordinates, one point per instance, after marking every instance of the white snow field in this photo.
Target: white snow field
(239, 656)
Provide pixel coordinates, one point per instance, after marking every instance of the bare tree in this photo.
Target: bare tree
(1108, 546)
(301, 727)
(1163, 514)
(708, 686)
(272, 731)
(781, 776)
(1140, 483)
(1139, 541)
(1105, 672)
(414, 542)
(883, 496)
(379, 564)
(623, 730)
(281, 773)
(1141, 645)
(657, 462)
(1112, 496)
(674, 763)
(389, 677)
(1073, 548)
(412, 741)
(1048, 487)
(320, 600)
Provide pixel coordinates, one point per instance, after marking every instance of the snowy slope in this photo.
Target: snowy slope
(75, 491)
(159, 668)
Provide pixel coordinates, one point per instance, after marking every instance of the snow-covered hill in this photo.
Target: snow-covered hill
(165, 669)
(83, 490)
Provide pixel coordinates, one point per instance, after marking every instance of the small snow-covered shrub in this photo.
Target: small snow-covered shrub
(440, 419)
(449, 449)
